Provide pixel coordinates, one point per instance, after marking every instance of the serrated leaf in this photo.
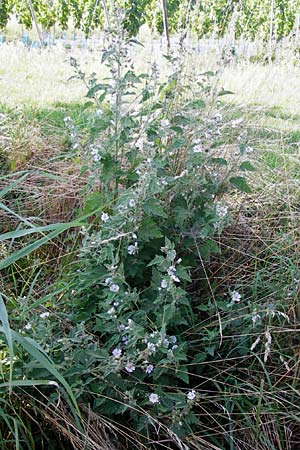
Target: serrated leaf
(199, 358)
(156, 261)
(169, 312)
(154, 208)
(93, 201)
(240, 184)
(182, 374)
(149, 230)
(98, 87)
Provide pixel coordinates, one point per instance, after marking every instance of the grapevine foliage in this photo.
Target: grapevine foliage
(250, 18)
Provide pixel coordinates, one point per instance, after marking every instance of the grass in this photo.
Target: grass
(259, 251)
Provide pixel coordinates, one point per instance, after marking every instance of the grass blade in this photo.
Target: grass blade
(32, 247)
(44, 361)
(8, 334)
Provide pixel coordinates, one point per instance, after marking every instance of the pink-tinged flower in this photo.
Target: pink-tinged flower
(149, 369)
(117, 352)
(154, 398)
(130, 367)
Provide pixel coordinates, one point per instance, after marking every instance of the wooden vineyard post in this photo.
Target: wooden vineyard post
(165, 21)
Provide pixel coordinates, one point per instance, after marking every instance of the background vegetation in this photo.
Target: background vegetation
(250, 18)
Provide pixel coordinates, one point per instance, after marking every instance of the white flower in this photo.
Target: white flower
(235, 123)
(130, 367)
(132, 249)
(174, 347)
(255, 318)
(140, 143)
(130, 324)
(107, 281)
(221, 210)
(117, 352)
(236, 296)
(164, 284)
(208, 134)
(165, 123)
(131, 203)
(113, 99)
(114, 288)
(44, 315)
(83, 230)
(67, 119)
(166, 343)
(28, 326)
(124, 340)
(197, 149)
(153, 398)
(218, 117)
(149, 369)
(111, 311)
(122, 327)
(248, 149)
(191, 395)
(173, 339)
(104, 217)
(171, 270)
(153, 334)
(97, 158)
(151, 347)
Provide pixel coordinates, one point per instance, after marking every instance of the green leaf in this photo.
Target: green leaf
(243, 148)
(8, 334)
(44, 361)
(25, 251)
(93, 201)
(182, 374)
(199, 358)
(223, 92)
(196, 104)
(149, 230)
(29, 383)
(12, 185)
(240, 184)
(246, 165)
(98, 87)
(154, 208)
(21, 233)
(156, 261)
(219, 161)
(169, 312)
